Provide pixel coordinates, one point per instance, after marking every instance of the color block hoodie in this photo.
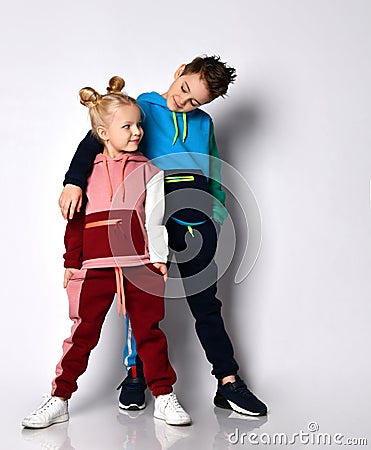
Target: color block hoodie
(184, 146)
(122, 222)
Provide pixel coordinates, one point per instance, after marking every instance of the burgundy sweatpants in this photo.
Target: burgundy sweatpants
(90, 294)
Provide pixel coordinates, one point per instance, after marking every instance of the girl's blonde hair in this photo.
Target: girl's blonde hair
(103, 107)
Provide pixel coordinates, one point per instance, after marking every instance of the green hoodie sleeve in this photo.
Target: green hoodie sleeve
(219, 211)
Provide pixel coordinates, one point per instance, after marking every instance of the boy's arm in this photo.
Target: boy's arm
(75, 178)
(154, 212)
(82, 161)
(215, 177)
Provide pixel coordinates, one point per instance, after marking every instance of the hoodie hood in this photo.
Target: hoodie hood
(157, 99)
(174, 140)
(153, 97)
(115, 169)
(113, 180)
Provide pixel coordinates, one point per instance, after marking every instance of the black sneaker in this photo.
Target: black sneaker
(132, 395)
(237, 397)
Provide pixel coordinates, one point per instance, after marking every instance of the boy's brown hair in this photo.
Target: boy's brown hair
(216, 74)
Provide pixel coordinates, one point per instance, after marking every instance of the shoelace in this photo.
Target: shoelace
(173, 403)
(134, 387)
(241, 388)
(131, 386)
(47, 402)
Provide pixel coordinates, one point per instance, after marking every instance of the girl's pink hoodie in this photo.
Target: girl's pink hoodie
(122, 222)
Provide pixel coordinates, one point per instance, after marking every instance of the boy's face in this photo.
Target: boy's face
(187, 92)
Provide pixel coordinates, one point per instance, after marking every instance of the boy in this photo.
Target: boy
(180, 139)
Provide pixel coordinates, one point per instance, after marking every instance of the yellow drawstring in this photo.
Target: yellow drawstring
(190, 229)
(176, 128)
(185, 127)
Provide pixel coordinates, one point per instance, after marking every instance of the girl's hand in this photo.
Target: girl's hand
(70, 200)
(162, 268)
(68, 273)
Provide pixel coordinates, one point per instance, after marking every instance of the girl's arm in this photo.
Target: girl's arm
(68, 274)
(73, 239)
(76, 176)
(154, 211)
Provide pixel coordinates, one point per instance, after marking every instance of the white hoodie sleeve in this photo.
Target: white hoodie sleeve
(154, 211)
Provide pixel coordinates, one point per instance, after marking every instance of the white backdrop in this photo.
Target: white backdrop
(296, 124)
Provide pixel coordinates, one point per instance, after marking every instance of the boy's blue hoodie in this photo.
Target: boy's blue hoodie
(179, 140)
(178, 143)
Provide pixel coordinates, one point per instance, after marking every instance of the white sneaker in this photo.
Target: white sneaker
(168, 408)
(52, 410)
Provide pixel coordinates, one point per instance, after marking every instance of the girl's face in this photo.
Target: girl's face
(124, 132)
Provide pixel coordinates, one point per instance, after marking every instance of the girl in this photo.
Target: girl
(117, 244)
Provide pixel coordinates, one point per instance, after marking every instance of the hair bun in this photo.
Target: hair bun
(89, 97)
(115, 85)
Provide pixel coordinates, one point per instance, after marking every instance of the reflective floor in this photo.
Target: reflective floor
(136, 431)
(299, 419)
(106, 428)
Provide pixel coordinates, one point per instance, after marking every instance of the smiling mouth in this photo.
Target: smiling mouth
(176, 104)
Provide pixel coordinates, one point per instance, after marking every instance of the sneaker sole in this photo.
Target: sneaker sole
(132, 407)
(221, 402)
(224, 403)
(180, 422)
(241, 410)
(60, 419)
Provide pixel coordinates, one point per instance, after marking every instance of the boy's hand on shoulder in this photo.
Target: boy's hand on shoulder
(70, 200)
(68, 274)
(162, 268)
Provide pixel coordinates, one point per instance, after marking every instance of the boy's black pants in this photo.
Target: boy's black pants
(199, 275)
